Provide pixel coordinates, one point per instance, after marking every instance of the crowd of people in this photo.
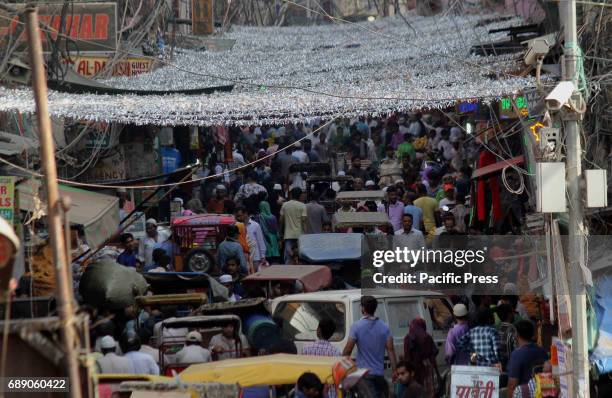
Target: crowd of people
(423, 163)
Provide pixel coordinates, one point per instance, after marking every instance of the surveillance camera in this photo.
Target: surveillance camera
(560, 95)
(538, 47)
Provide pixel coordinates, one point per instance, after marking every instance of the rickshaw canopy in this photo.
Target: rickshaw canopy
(199, 321)
(331, 247)
(275, 369)
(312, 277)
(360, 219)
(171, 299)
(360, 195)
(204, 219)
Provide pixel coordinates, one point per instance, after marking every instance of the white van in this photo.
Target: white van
(301, 314)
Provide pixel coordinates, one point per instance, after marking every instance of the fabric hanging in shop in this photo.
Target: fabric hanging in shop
(97, 213)
(486, 158)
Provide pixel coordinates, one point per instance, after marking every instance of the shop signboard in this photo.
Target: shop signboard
(202, 17)
(91, 27)
(534, 101)
(564, 357)
(513, 108)
(109, 169)
(90, 66)
(467, 107)
(96, 140)
(7, 198)
(474, 381)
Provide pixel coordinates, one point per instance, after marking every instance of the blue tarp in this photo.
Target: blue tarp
(602, 354)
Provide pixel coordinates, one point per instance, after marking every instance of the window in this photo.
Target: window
(401, 313)
(301, 319)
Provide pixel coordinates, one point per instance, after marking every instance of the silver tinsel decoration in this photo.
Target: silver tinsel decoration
(367, 68)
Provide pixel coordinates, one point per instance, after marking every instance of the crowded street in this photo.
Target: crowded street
(218, 202)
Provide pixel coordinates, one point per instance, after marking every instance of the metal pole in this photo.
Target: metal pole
(47, 151)
(576, 231)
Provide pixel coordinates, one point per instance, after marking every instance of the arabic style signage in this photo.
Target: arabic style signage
(89, 26)
(7, 198)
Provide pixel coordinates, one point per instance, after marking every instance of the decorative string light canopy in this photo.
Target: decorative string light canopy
(289, 74)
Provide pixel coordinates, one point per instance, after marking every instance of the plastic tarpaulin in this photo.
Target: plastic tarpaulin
(107, 284)
(97, 213)
(602, 354)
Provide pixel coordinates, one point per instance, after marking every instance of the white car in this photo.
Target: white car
(301, 314)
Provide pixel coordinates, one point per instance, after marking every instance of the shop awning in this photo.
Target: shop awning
(12, 144)
(97, 213)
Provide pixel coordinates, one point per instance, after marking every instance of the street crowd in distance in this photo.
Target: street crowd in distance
(422, 162)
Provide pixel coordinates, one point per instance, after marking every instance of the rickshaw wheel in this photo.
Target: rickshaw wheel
(198, 260)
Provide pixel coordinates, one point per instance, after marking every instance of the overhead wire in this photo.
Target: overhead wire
(213, 176)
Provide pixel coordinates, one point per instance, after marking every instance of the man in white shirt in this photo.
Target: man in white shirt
(141, 362)
(299, 155)
(193, 352)
(224, 343)
(110, 362)
(408, 236)
(255, 234)
(154, 239)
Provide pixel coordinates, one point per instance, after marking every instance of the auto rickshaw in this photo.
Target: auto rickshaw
(172, 389)
(161, 283)
(354, 197)
(325, 184)
(172, 333)
(296, 278)
(268, 371)
(185, 303)
(108, 384)
(197, 238)
(342, 253)
(362, 222)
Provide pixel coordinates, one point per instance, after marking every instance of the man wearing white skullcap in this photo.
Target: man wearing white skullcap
(154, 239)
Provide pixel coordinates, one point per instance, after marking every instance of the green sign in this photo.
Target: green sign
(96, 140)
(508, 110)
(7, 198)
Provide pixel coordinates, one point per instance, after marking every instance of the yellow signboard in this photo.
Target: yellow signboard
(90, 66)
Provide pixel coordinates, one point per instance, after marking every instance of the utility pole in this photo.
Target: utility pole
(577, 236)
(47, 152)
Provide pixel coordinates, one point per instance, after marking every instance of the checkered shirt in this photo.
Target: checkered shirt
(321, 348)
(484, 341)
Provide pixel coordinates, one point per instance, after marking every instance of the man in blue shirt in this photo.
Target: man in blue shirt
(415, 212)
(526, 359)
(372, 337)
(128, 257)
(231, 248)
